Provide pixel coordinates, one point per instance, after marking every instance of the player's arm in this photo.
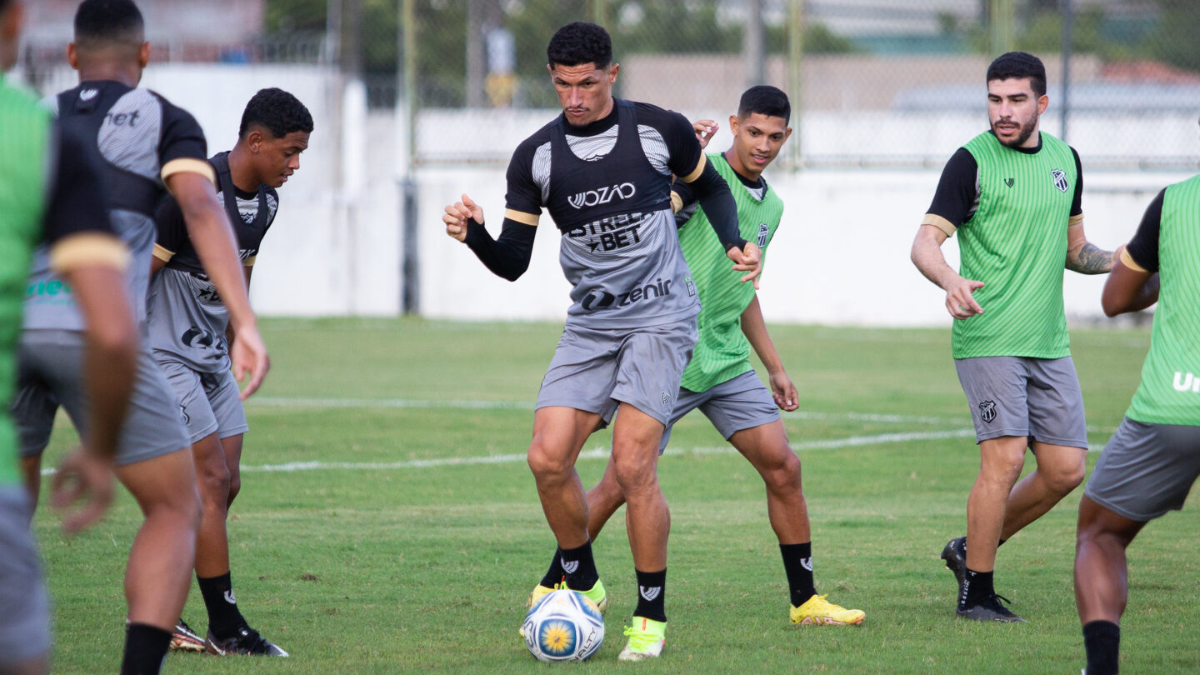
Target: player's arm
(953, 205)
(87, 253)
(211, 235)
(1083, 256)
(1133, 284)
(755, 330)
(507, 256)
(691, 167)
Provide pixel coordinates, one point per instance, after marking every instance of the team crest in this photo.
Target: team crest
(763, 231)
(1060, 179)
(987, 411)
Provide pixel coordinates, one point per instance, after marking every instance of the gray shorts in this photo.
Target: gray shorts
(594, 370)
(741, 403)
(24, 607)
(209, 400)
(1146, 470)
(50, 374)
(1019, 396)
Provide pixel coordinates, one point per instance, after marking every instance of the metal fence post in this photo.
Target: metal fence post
(1068, 21)
(795, 31)
(410, 270)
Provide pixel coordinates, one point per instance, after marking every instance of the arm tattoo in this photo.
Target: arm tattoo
(1090, 259)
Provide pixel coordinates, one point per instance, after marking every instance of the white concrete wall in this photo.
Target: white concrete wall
(841, 255)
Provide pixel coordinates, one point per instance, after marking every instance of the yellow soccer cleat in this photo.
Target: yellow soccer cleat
(818, 612)
(646, 640)
(539, 592)
(597, 595)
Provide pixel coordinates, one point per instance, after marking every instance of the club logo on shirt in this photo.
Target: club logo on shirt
(987, 411)
(1060, 179)
(88, 94)
(763, 232)
(602, 195)
(1009, 182)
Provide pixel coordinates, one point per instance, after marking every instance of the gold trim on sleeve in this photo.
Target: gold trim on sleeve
(697, 171)
(1128, 261)
(163, 254)
(249, 262)
(89, 248)
(1075, 220)
(522, 217)
(189, 165)
(940, 223)
(676, 202)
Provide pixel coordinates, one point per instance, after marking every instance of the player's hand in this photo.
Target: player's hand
(82, 477)
(249, 356)
(704, 131)
(749, 261)
(457, 215)
(959, 301)
(784, 392)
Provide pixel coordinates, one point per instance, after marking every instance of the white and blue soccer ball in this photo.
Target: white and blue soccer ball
(563, 626)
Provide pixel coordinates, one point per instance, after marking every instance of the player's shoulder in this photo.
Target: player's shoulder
(659, 118)
(527, 149)
(170, 111)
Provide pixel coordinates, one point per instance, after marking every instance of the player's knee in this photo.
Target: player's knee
(215, 484)
(235, 486)
(634, 473)
(782, 472)
(1063, 481)
(548, 466)
(1003, 469)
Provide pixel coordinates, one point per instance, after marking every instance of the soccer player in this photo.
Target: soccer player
(720, 380)
(603, 169)
(1013, 192)
(147, 146)
(188, 321)
(1153, 459)
(50, 191)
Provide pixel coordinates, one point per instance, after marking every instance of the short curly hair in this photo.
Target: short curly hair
(277, 111)
(579, 43)
(1018, 66)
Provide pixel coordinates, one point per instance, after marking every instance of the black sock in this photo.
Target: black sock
(224, 619)
(976, 588)
(797, 562)
(554, 575)
(652, 587)
(145, 649)
(1102, 640)
(579, 567)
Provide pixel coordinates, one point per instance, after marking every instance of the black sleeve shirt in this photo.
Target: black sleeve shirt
(1143, 248)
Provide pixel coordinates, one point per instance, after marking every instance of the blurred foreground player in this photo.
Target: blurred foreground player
(1014, 195)
(188, 323)
(1153, 460)
(51, 192)
(720, 380)
(603, 169)
(147, 146)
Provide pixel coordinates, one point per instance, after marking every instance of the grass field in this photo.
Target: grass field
(388, 522)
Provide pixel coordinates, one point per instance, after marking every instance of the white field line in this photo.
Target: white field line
(465, 404)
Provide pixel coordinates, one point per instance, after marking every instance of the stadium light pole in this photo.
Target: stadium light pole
(1068, 21)
(795, 31)
(406, 125)
(752, 44)
(1001, 18)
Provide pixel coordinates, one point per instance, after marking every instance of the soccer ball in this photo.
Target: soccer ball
(563, 626)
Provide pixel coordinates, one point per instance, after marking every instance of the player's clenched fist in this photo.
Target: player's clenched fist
(457, 215)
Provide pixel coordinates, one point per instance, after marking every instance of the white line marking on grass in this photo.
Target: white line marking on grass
(603, 453)
(462, 404)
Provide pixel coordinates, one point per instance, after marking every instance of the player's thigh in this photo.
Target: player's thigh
(650, 366)
(995, 388)
(24, 607)
(636, 436)
(582, 374)
(163, 483)
(744, 412)
(559, 433)
(1096, 520)
(223, 399)
(1146, 470)
(232, 447)
(1056, 415)
(187, 387)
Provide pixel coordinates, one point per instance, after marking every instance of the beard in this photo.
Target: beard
(1023, 134)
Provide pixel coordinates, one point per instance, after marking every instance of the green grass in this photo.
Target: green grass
(424, 567)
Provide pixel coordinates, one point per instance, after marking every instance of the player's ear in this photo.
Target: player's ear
(72, 56)
(612, 73)
(733, 124)
(144, 55)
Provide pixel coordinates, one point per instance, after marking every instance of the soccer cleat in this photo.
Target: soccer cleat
(816, 611)
(955, 555)
(247, 641)
(538, 593)
(646, 640)
(597, 595)
(990, 609)
(183, 638)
